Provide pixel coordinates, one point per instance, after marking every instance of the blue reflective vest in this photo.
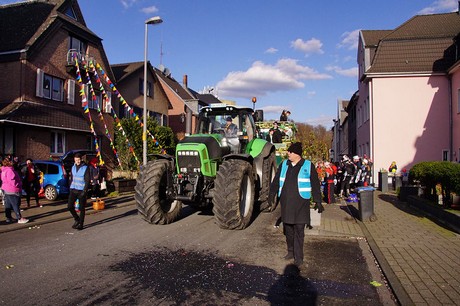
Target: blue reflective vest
(78, 177)
(303, 180)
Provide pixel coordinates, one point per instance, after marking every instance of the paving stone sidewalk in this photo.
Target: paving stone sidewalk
(420, 258)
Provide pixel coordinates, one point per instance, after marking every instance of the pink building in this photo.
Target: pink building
(408, 103)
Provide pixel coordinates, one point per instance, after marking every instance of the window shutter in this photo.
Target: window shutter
(71, 92)
(39, 86)
(86, 88)
(108, 103)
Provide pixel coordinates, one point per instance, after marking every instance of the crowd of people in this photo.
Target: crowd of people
(16, 178)
(340, 178)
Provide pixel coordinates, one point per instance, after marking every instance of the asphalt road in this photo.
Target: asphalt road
(118, 259)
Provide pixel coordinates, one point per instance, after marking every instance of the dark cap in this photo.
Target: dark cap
(296, 148)
(229, 119)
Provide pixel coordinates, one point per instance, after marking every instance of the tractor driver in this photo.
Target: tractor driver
(230, 128)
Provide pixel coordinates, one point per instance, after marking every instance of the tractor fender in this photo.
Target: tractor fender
(268, 149)
(168, 157)
(246, 157)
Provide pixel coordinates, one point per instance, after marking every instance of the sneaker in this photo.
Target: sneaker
(23, 220)
(41, 205)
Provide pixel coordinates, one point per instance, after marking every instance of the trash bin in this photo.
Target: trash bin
(397, 182)
(366, 203)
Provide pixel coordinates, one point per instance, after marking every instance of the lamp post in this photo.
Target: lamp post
(153, 20)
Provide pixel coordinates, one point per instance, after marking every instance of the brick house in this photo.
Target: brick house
(41, 114)
(130, 82)
(407, 82)
(186, 103)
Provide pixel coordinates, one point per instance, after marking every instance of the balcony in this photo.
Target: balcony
(73, 55)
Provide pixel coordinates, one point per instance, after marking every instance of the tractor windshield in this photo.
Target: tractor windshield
(226, 124)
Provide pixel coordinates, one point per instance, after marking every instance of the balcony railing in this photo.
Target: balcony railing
(74, 54)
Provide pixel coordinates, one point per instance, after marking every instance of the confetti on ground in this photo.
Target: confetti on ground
(376, 284)
(9, 266)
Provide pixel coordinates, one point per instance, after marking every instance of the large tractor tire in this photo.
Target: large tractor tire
(233, 196)
(151, 186)
(268, 173)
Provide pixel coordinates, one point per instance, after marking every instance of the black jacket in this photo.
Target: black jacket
(294, 208)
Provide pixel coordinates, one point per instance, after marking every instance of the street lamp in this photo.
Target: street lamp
(153, 20)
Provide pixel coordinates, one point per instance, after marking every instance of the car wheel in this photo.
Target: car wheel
(51, 193)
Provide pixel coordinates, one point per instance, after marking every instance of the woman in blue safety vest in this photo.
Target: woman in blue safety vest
(79, 182)
(296, 183)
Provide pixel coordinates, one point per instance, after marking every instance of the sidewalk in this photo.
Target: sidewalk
(53, 211)
(420, 259)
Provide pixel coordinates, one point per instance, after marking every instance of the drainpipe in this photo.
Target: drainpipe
(451, 124)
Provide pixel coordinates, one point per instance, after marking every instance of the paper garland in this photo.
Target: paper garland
(84, 103)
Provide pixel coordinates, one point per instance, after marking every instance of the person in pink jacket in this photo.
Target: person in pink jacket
(12, 189)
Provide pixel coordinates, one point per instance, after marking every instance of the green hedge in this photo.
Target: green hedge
(430, 174)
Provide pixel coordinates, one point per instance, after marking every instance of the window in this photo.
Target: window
(77, 44)
(94, 103)
(141, 87)
(458, 101)
(49, 87)
(91, 145)
(445, 155)
(70, 12)
(57, 145)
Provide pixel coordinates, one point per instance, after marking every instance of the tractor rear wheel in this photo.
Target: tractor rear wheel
(268, 173)
(151, 197)
(233, 196)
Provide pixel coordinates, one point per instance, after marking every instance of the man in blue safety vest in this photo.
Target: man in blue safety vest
(296, 183)
(79, 182)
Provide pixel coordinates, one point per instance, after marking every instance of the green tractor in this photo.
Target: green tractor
(224, 165)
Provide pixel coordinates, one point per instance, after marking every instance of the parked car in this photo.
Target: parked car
(55, 178)
(68, 161)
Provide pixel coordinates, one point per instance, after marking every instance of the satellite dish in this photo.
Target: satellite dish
(167, 72)
(161, 68)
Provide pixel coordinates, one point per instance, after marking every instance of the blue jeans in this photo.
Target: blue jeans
(12, 203)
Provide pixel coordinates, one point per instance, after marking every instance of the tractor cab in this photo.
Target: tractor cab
(233, 125)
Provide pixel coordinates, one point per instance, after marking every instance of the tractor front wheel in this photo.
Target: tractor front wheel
(233, 196)
(151, 197)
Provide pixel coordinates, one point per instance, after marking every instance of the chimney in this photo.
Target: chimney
(185, 82)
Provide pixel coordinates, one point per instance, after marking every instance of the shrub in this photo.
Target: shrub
(432, 173)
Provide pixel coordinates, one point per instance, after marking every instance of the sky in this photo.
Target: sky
(298, 55)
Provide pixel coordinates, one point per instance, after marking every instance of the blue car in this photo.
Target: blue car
(55, 178)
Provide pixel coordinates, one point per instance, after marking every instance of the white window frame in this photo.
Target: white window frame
(54, 137)
(55, 87)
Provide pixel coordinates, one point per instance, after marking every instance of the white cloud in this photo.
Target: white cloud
(262, 78)
(127, 3)
(440, 6)
(311, 94)
(350, 72)
(271, 50)
(149, 10)
(273, 109)
(323, 120)
(310, 46)
(349, 40)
